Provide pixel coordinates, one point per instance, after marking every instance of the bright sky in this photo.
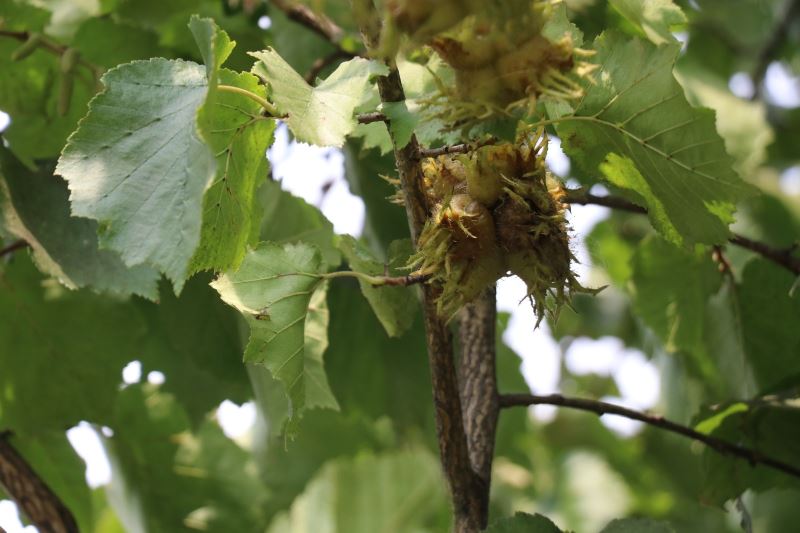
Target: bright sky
(304, 169)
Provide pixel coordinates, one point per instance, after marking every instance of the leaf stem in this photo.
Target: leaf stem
(784, 257)
(13, 247)
(379, 281)
(603, 408)
(263, 102)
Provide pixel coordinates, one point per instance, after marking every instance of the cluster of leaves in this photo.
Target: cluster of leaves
(165, 176)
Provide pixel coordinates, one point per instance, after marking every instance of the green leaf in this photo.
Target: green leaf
(670, 289)
(322, 115)
(239, 136)
(296, 43)
(35, 208)
(195, 340)
(655, 17)
(742, 123)
(22, 16)
(558, 25)
(770, 312)
(769, 426)
(273, 289)
(166, 478)
(29, 94)
(385, 222)
(725, 343)
(137, 165)
(611, 252)
(394, 306)
(289, 219)
(215, 46)
(324, 435)
(122, 42)
(524, 523)
(403, 118)
(635, 125)
(637, 525)
(390, 492)
(372, 373)
(50, 455)
(76, 339)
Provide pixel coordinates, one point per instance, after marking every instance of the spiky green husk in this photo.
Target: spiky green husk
(496, 212)
(501, 60)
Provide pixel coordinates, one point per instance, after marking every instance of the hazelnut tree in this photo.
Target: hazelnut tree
(140, 222)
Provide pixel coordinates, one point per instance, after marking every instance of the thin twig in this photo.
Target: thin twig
(52, 47)
(369, 118)
(784, 257)
(461, 148)
(766, 55)
(326, 61)
(379, 281)
(318, 23)
(36, 500)
(581, 197)
(603, 408)
(13, 247)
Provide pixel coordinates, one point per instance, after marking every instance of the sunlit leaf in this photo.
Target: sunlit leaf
(635, 125)
(35, 208)
(273, 289)
(394, 306)
(322, 115)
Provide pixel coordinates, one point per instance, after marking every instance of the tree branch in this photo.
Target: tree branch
(784, 257)
(13, 247)
(369, 118)
(379, 281)
(766, 55)
(465, 486)
(478, 387)
(318, 23)
(603, 408)
(39, 503)
(323, 62)
(54, 48)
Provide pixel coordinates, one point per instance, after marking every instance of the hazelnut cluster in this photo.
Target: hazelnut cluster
(498, 52)
(496, 211)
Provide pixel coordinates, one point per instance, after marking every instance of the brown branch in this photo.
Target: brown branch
(603, 408)
(54, 48)
(465, 486)
(790, 12)
(326, 61)
(478, 386)
(405, 281)
(318, 23)
(34, 498)
(13, 247)
(784, 257)
(581, 197)
(369, 118)
(461, 148)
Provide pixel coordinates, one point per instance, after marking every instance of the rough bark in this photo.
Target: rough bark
(478, 388)
(32, 495)
(466, 488)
